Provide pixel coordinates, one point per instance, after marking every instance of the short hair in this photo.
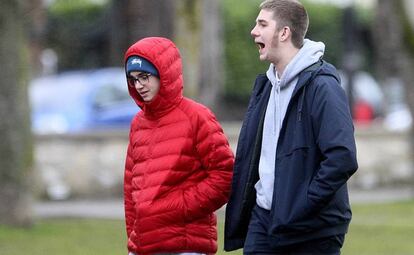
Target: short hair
(290, 13)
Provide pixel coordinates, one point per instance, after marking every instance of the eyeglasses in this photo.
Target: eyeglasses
(143, 79)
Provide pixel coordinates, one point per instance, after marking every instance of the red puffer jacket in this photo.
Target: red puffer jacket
(178, 167)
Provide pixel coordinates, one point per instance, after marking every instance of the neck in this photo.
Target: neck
(288, 54)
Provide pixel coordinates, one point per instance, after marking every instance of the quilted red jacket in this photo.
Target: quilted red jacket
(179, 164)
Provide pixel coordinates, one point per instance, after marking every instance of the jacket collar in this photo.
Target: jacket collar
(307, 75)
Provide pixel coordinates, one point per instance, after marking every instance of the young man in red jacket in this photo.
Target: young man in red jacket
(179, 164)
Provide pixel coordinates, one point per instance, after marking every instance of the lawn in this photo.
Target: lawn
(375, 229)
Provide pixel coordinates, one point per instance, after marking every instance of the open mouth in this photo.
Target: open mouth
(260, 45)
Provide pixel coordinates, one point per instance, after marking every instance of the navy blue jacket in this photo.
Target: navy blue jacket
(315, 157)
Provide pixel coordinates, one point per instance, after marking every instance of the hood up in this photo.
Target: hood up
(165, 56)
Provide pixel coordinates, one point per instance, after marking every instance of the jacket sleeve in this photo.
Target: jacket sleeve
(128, 202)
(217, 160)
(334, 133)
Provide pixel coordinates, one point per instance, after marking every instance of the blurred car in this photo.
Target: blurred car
(371, 101)
(367, 93)
(81, 101)
(398, 115)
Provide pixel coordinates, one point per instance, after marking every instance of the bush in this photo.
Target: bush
(325, 25)
(241, 57)
(77, 31)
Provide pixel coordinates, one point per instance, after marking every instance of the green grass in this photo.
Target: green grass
(65, 236)
(381, 229)
(376, 229)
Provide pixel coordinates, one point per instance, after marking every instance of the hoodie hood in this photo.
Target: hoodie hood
(165, 56)
(309, 54)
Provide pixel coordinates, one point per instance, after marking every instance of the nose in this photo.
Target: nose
(138, 85)
(254, 32)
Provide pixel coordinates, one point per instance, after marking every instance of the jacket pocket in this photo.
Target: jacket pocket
(299, 216)
(292, 165)
(294, 210)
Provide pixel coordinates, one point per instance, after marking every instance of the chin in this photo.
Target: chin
(262, 58)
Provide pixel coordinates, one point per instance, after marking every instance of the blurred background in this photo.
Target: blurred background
(65, 109)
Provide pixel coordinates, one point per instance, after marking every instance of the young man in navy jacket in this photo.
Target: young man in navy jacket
(296, 148)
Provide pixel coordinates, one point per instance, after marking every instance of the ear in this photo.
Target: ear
(285, 33)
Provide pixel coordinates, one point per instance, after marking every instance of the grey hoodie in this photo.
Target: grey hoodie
(281, 93)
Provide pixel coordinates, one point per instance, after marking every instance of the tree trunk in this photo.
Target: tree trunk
(187, 37)
(211, 73)
(15, 135)
(132, 20)
(394, 57)
(36, 25)
(388, 37)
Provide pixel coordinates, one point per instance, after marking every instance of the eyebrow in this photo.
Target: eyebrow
(141, 74)
(261, 21)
